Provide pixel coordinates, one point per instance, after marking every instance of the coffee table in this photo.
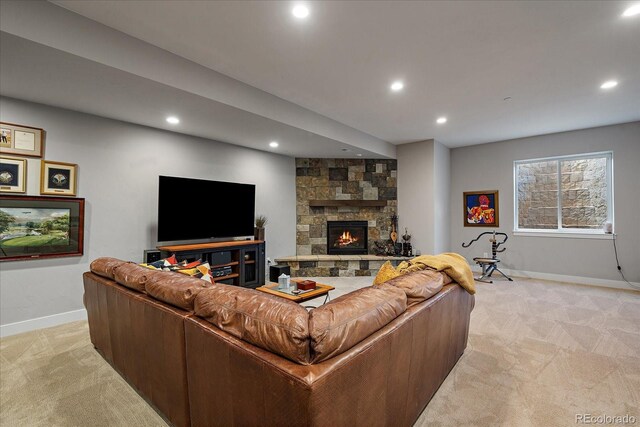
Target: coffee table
(320, 290)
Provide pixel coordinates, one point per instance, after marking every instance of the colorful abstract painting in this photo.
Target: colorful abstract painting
(481, 208)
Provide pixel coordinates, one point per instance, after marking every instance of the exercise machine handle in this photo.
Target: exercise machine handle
(494, 233)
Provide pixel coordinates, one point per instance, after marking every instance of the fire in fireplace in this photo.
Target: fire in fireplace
(347, 237)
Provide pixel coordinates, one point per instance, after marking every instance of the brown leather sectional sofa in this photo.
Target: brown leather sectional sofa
(218, 355)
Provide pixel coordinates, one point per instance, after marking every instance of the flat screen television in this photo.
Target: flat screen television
(197, 210)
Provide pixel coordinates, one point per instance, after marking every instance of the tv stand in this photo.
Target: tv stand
(245, 257)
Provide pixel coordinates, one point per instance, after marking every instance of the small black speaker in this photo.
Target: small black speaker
(276, 270)
(151, 255)
(219, 258)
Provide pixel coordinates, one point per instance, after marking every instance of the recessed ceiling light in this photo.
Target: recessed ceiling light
(632, 11)
(173, 120)
(273, 144)
(441, 120)
(609, 84)
(300, 11)
(397, 86)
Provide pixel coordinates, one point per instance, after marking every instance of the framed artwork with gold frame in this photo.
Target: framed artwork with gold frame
(21, 140)
(481, 208)
(13, 175)
(40, 227)
(58, 178)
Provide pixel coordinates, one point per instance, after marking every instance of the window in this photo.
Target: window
(564, 194)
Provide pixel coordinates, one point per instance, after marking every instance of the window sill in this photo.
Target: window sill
(565, 234)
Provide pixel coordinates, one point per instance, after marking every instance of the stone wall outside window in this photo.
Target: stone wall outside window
(583, 198)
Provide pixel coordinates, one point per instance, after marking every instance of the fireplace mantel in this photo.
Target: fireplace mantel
(354, 203)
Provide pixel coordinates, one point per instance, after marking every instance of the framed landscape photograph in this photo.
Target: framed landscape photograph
(480, 208)
(57, 178)
(34, 227)
(13, 175)
(21, 140)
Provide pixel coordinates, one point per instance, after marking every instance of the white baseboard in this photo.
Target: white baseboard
(42, 322)
(590, 281)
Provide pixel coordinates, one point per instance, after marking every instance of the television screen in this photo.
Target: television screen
(197, 209)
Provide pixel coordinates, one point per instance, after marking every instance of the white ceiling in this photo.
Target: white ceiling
(459, 59)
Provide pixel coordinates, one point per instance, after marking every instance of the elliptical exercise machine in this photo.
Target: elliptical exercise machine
(489, 265)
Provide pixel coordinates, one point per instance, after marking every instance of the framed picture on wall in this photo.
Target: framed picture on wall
(21, 140)
(58, 178)
(13, 175)
(480, 208)
(40, 227)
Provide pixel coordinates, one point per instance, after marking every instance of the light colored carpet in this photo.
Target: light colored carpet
(539, 353)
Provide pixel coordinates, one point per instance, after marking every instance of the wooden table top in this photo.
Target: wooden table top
(320, 290)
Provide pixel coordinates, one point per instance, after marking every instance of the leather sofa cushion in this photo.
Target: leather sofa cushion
(106, 266)
(266, 321)
(339, 325)
(132, 276)
(447, 279)
(174, 288)
(419, 285)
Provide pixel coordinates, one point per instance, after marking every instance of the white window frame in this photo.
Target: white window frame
(561, 231)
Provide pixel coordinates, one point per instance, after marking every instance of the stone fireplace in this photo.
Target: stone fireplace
(343, 190)
(347, 237)
(359, 193)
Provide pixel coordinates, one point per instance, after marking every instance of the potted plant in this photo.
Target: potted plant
(258, 233)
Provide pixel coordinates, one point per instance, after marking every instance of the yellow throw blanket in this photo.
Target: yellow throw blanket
(455, 265)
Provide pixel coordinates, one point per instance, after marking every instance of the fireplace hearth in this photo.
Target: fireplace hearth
(347, 237)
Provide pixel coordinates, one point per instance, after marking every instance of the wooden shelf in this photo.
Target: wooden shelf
(354, 203)
(229, 264)
(212, 245)
(230, 255)
(228, 276)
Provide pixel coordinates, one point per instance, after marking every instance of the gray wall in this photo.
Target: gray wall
(442, 198)
(490, 166)
(119, 164)
(416, 180)
(424, 195)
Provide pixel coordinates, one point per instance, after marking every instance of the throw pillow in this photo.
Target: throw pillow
(205, 270)
(208, 277)
(193, 264)
(386, 272)
(188, 271)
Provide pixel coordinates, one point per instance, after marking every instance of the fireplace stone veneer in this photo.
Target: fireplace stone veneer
(347, 237)
(352, 186)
